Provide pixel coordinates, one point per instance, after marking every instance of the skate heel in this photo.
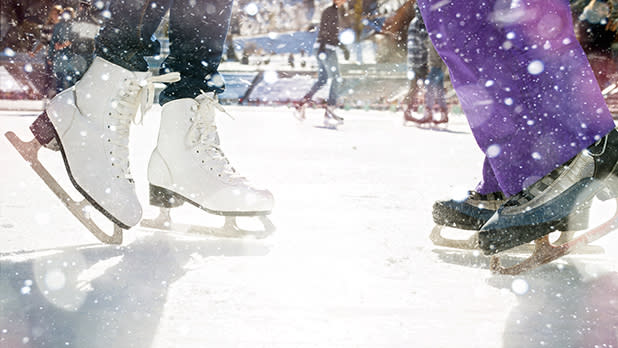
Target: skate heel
(164, 198)
(44, 132)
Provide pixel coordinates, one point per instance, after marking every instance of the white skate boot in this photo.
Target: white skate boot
(89, 123)
(188, 166)
(331, 120)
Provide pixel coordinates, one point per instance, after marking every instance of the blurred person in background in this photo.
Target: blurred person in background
(84, 29)
(596, 23)
(426, 75)
(328, 64)
(61, 53)
(47, 30)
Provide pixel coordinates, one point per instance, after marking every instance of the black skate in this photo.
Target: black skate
(469, 214)
(555, 201)
(476, 209)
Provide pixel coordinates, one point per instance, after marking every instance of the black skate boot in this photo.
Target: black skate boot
(557, 201)
(475, 210)
(469, 214)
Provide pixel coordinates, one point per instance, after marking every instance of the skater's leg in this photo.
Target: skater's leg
(331, 65)
(127, 36)
(411, 99)
(416, 64)
(322, 78)
(436, 77)
(431, 90)
(417, 57)
(334, 74)
(513, 78)
(488, 183)
(197, 37)
(435, 94)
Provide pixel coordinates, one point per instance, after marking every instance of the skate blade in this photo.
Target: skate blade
(328, 124)
(546, 251)
(230, 228)
(29, 151)
(440, 126)
(438, 238)
(417, 123)
(327, 127)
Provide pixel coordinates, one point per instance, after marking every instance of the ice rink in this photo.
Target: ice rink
(349, 265)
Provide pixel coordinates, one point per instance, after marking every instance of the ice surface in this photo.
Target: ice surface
(350, 264)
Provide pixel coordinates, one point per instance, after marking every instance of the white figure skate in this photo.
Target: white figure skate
(332, 120)
(188, 166)
(90, 123)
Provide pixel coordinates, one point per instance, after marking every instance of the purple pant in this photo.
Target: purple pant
(523, 81)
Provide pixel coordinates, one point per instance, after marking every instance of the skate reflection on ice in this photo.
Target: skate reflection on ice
(564, 306)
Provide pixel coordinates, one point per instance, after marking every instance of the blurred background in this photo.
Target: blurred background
(270, 58)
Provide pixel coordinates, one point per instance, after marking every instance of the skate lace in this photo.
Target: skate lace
(133, 95)
(560, 179)
(204, 139)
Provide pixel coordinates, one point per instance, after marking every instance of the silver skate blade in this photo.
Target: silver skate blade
(327, 127)
(230, 228)
(329, 123)
(29, 151)
(439, 238)
(545, 251)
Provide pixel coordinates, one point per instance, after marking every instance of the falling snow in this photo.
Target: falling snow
(350, 263)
